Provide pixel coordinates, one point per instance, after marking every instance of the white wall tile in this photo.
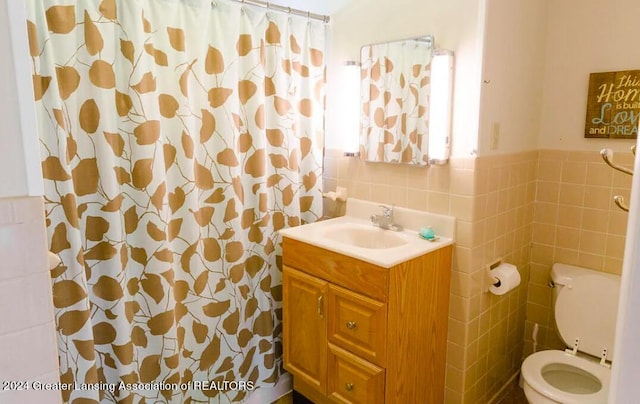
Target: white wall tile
(36, 394)
(28, 210)
(28, 353)
(32, 396)
(6, 212)
(23, 242)
(25, 302)
(28, 349)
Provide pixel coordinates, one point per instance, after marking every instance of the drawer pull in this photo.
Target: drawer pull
(348, 386)
(351, 325)
(320, 299)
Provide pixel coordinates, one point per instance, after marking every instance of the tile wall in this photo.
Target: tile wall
(575, 222)
(505, 195)
(28, 349)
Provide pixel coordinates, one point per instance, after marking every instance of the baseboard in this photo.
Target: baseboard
(504, 387)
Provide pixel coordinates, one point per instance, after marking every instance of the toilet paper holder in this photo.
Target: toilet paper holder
(502, 277)
(493, 280)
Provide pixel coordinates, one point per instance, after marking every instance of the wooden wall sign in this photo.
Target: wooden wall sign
(613, 105)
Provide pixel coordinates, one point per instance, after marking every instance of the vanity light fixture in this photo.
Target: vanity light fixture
(351, 112)
(440, 106)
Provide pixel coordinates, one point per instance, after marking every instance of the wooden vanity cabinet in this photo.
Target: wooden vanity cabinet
(358, 333)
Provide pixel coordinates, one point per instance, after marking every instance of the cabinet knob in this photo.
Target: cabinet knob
(348, 386)
(351, 325)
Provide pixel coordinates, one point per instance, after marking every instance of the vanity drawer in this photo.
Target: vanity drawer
(358, 324)
(353, 274)
(353, 380)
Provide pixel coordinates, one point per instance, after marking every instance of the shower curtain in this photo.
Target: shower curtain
(177, 138)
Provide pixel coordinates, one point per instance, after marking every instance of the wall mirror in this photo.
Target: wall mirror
(405, 102)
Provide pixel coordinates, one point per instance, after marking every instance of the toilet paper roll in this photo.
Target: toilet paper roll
(53, 259)
(507, 276)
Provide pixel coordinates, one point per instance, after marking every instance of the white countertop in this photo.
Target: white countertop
(415, 246)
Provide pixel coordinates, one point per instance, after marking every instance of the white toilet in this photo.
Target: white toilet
(586, 306)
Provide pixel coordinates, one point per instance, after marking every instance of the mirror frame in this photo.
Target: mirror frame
(410, 136)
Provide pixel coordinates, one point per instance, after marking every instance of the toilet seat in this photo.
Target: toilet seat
(532, 372)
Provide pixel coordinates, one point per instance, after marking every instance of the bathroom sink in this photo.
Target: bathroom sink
(365, 236)
(354, 234)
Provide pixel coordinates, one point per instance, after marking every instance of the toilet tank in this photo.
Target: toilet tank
(586, 307)
(562, 274)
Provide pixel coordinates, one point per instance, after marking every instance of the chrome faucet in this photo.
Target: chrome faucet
(385, 220)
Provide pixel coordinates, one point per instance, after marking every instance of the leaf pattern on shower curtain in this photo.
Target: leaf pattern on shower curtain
(395, 99)
(177, 139)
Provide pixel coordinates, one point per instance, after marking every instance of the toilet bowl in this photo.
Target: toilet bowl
(560, 377)
(585, 304)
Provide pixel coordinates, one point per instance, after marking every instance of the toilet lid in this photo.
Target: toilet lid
(587, 309)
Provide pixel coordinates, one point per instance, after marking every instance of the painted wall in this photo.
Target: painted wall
(20, 172)
(582, 38)
(12, 169)
(457, 25)
(513, 68)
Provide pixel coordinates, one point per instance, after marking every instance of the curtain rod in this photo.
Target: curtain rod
(277, 7)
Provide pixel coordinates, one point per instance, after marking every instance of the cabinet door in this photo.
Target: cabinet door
(305, 328)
